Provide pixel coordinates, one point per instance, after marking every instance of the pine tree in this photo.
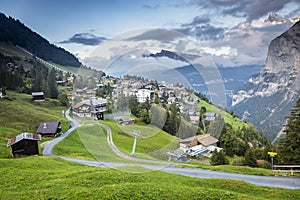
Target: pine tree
(52, 84)
(250, 158)
(289, 146)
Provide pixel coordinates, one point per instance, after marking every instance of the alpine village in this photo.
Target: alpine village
(70, 131)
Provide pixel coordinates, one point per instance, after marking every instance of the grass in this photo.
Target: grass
(153, 146)
(90, 142)
(235, 122)
(54, 178)
(24, 115)
(87, 142)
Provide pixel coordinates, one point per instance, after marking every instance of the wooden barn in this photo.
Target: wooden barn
(49, 129)
(38, 96)
(24, 144)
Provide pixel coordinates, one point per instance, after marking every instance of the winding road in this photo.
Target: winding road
(270, 181)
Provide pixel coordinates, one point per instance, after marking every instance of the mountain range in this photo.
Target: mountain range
(268, 96)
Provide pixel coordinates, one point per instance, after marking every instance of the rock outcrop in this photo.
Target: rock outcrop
(266, 99)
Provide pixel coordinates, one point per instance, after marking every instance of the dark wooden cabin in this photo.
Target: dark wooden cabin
(49, 129)
(38, 96)
(24, 144)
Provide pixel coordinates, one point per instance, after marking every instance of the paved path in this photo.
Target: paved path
(270, 181)
(50, 144)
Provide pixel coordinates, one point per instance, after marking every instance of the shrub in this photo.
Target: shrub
(218, 158)
(238, 161)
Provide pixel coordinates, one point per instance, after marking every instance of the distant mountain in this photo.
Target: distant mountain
(266, 99)
(17, 33)
(274, 18)
(168, 54)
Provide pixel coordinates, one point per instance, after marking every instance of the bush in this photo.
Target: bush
(265, 164)
(238, 161)
(218, 158)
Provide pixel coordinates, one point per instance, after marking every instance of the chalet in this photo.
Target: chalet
(38, 96)
(82, 109)
(126, 121)
(210, 116)
(49, 129)
(24, 144)
(199, 145)
(91, 108)
(204, 140)
(194, 119)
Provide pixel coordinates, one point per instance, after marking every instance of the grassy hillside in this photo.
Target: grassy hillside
(24, 115)
(154, 144)
(235, 122)
(20, 57)
(90, 141)
(53, 178)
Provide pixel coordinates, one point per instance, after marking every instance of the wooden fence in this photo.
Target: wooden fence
(286, 168)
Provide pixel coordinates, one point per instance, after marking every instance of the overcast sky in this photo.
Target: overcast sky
(232, 31)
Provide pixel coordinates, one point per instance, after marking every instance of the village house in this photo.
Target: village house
(126, 121)
(82, 109)
(38, 96)
(199, 145)
(24, 144)
(91, 108)
(210, 116)
(49, 129)
(194, 119)
(142, 95)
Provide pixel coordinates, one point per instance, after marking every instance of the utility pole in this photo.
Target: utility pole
(136, 134)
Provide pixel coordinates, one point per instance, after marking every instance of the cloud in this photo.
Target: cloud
(162, 35)
(151, 7)
(85, 39)
(203, 32)
(198, 20)
(249, 9)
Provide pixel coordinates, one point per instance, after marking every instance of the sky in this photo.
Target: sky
(233, 32)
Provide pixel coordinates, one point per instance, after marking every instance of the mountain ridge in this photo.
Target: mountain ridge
(14, 31)
(275, 89)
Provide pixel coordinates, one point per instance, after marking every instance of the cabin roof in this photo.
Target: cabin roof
(48, 127)
(37, 93)
(23, 136)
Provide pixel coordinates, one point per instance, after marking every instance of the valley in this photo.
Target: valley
(192, 109)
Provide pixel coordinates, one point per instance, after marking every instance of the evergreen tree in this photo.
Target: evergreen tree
(145, 116)
(134, 106)
(52, 84)
(250, 158)
(289, 146)
(218, 158)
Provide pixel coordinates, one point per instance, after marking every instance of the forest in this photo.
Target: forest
(38, 78)
(18, 34)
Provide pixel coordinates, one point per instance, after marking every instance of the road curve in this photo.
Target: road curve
(270, 181)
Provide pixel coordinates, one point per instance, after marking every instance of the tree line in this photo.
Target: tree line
(17, 33)
(38, 78)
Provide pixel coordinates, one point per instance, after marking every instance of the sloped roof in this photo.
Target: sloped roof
(207, 140)
(190, 139)
(48, 127)
(37, 93)
(79, 105)
(22, 136)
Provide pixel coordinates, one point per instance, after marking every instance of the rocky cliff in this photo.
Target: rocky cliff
(266, 99)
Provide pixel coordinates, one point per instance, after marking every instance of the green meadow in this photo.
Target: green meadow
(53, 178)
